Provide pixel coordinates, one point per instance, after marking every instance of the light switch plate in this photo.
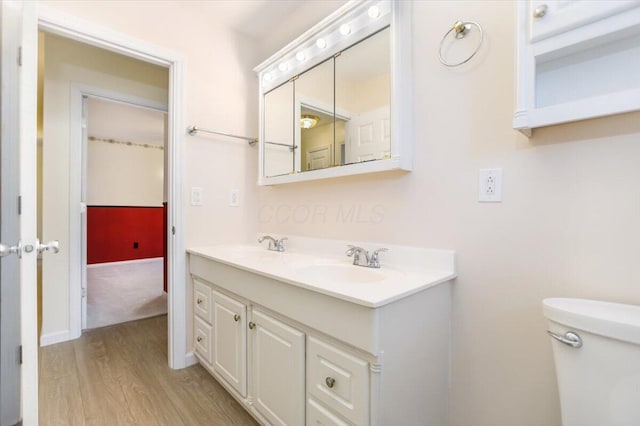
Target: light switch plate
(196, 196)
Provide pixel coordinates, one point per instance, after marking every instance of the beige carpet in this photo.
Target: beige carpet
(120, 292)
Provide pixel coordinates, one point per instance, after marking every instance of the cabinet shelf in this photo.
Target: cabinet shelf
(578, 71)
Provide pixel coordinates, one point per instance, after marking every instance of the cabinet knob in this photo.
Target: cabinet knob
(199, 339)
(252, 325)
(540, 11)
(236, 317)
(199, 301)
(330, 381)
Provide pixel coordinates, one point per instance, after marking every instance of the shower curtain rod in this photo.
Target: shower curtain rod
(193, 130)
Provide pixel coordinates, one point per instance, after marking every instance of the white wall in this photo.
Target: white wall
(68, 62)
(568, 225)
(121, 175)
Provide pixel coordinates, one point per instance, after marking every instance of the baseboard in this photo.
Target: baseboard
(56, 337)
(190, 359)
(125, 262)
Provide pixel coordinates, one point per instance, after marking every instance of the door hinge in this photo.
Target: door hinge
(19, 204)
(84, 292)
(20, 56)
(173, 230)
(20, 354)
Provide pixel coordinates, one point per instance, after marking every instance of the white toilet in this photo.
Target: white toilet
(596, 346)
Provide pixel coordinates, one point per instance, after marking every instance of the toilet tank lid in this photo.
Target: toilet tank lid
(613, 320)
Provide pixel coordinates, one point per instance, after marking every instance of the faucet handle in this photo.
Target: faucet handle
(373, 261)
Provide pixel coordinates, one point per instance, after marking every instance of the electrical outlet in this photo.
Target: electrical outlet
(490, 185)
(234, 198)
(196, 196)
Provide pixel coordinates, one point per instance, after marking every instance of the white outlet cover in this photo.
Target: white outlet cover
(490, 185)
(234, 198)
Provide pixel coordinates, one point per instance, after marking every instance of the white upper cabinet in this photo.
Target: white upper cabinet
(576, 59)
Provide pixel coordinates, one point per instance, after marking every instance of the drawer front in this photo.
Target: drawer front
(202, 300)
(339, 380)
(317, 415)
(202, 339)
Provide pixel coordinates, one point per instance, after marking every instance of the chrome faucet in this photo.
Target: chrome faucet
(274, 244)
(369, 261)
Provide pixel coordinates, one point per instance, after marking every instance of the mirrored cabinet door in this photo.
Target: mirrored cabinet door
(363, 97)
(314, 115)
(279, 147)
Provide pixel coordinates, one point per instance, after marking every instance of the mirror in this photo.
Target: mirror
(363, 96)
(278, 134)
(337, 101)
(314, 107)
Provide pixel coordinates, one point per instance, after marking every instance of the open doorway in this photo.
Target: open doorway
(75, 79)
(124, 243)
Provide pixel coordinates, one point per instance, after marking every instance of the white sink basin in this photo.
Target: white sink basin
(342, 273)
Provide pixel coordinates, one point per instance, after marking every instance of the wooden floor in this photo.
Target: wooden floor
(118, 375)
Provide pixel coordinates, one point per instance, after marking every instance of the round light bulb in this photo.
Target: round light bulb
(300, 56)
(283, 66)
(268, 77)
(321, 43)
(374, 12)
(345, 29)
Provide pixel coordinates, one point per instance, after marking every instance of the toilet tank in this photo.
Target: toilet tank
(599, 382)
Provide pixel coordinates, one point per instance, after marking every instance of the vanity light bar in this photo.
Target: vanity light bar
(323, 42)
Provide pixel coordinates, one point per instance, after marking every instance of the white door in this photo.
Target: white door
(277, 384)
(18, 310)
(319, 157)
(229, 349)
(368, 136)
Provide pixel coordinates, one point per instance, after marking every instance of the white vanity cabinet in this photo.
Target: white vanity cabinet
(277, 379)
(308, 356)
(576, 60)
(228, 334)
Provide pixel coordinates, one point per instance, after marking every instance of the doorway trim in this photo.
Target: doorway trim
(77, 175)
(53, 21)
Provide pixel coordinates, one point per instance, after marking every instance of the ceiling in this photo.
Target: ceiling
(254, 18)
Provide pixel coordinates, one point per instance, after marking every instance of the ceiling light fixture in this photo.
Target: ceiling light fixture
(308, 121)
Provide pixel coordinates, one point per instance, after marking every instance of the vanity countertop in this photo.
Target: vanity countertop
(321, 266)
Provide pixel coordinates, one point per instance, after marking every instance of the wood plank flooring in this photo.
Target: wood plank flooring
(118, 375)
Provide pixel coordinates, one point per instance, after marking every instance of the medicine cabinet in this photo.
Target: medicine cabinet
(337, 100)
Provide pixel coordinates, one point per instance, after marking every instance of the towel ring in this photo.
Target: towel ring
(461, 29)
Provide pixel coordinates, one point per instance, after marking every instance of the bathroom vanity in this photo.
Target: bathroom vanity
(305, 337)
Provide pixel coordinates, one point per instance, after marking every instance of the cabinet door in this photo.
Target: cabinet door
(278, 370)
(317, 415)
(229, 351)
(563, 15)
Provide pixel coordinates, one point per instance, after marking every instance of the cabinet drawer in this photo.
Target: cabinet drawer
(339, 380)
(202, 300)
(317, 415)
(202, 339)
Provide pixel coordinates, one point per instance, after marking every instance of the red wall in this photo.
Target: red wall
(113, 230)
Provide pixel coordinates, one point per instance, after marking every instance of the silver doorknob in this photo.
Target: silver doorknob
(330, 381)
(236, 317)
(540, 11)
(252, 325)
(53, 246)
(7, 250)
